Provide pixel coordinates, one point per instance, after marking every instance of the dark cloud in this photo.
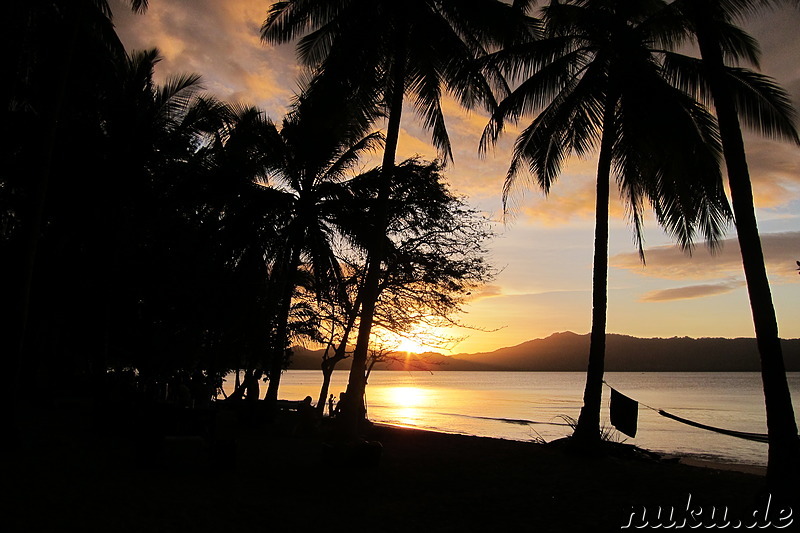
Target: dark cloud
(221, 42)
(774, 166)
(776, 33)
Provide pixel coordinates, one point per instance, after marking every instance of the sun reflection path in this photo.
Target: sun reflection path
(407, 396)
(405, 405)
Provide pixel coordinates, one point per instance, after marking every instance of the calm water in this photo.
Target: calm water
(529, 405)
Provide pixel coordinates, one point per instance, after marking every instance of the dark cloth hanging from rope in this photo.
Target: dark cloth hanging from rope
(758, 437)
(624, 413)
(621, 418)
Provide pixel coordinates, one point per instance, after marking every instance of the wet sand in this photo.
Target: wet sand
(68, 476)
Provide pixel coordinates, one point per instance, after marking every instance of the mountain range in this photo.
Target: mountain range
(568, 352)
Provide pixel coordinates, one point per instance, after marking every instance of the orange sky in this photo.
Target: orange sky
(545, 252)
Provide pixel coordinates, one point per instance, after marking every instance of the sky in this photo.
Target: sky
(544, 245)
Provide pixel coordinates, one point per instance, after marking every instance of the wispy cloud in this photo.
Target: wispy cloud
(775, 171)
(690, 292)
(781, 250)
(486, 291)
(413, 144)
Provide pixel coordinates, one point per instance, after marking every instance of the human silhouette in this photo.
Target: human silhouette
(339, 404)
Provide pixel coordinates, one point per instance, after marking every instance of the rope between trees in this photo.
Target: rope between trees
(757, 437)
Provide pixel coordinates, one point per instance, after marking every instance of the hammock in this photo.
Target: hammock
(757, 437)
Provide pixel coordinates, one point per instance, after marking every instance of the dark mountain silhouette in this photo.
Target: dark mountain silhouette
(568, 351)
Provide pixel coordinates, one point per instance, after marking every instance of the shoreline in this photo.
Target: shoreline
(685, 459)
(527, 406)
(691, 460)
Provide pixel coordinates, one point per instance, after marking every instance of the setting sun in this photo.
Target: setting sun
(412, 346)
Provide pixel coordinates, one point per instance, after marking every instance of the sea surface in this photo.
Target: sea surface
(538, 405)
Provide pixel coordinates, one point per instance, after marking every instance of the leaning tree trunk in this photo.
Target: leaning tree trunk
(286, 291)
(353, 409)
(329, 364)
(588, 429)
(327, 373)
(784, 445)
(341, 350)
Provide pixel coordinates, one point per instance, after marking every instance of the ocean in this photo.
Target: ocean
(537, 406)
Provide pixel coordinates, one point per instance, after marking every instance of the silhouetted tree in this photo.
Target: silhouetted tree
(248, 216)
(49, 44)
(317, 148)
(738, 95)
(435, 256)
(595, 74)
(388, 50)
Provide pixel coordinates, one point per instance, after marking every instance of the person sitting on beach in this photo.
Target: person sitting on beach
(338, 410)
(305, 405)
(306, 418)
(331, 401)
(252, 390)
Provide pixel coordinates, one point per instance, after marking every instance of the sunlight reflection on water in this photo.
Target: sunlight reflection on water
(405, 405)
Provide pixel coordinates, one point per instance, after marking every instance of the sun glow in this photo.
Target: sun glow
(412, 346)
(407, 396)
(416, 340)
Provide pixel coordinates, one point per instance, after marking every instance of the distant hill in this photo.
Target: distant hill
(568, 351)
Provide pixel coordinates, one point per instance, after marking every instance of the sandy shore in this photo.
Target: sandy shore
(756, 470)
(68, 476)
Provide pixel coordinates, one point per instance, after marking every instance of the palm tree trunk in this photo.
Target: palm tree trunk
(588, 429)
(784, 445)
(282, 329)
(353, 410)
(327, 372)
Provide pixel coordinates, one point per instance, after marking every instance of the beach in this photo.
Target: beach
(71, 474)
(537, 406)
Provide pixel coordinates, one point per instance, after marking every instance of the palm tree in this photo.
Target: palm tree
(388, 50)
(319, 143)
(251, 217)
(738, 94)
(595, 76)
(145, 227)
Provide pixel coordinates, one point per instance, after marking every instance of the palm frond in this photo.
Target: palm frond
(138, 6)
(288, 20)
(353, 155)
(738, 45)
(689, 75)
(427, 102)
(763, 105)
(554, 77)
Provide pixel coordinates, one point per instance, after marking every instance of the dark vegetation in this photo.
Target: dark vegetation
(160, 233)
